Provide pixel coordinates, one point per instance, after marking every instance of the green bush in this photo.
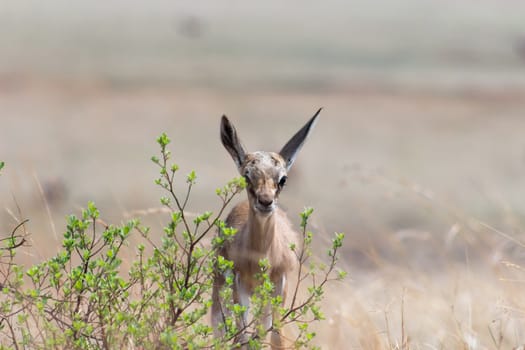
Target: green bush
(81, 298)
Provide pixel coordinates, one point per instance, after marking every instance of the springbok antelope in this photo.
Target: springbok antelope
(263, 230)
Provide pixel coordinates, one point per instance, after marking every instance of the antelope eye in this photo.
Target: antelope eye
(282, 181)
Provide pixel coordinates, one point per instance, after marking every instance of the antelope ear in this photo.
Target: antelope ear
(292, 147)
(231, 141)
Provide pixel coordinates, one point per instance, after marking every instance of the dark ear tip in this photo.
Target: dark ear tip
(226, 126)
(225, 123)
(313, 120)
(317, 113)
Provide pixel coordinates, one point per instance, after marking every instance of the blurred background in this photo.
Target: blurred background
(418, 156)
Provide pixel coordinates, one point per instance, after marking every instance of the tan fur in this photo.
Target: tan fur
(257, 239)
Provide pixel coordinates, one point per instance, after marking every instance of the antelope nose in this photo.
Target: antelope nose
(265, 201)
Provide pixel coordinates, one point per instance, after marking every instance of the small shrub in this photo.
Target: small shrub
(81, 298)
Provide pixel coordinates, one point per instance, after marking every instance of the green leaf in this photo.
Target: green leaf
(78, 285)
(202, 217)
(191, 177)
(92, 210)
(163, 140)
(305, 215)
(165, 201)
(337, 242)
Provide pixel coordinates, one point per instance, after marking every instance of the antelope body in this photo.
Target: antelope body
(263, 230)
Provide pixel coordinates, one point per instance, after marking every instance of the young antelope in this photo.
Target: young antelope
(263, 230)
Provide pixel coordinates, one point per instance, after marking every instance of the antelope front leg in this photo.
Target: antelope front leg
(219, 312)
(277, 340)
(242, 297)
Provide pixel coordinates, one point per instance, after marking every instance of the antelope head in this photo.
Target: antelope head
(265, 172)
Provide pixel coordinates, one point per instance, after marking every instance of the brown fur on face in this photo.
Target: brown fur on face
(263, 171)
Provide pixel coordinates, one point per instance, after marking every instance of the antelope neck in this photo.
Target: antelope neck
(262, 230)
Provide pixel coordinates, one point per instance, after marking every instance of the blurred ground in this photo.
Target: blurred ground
(418, 155)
